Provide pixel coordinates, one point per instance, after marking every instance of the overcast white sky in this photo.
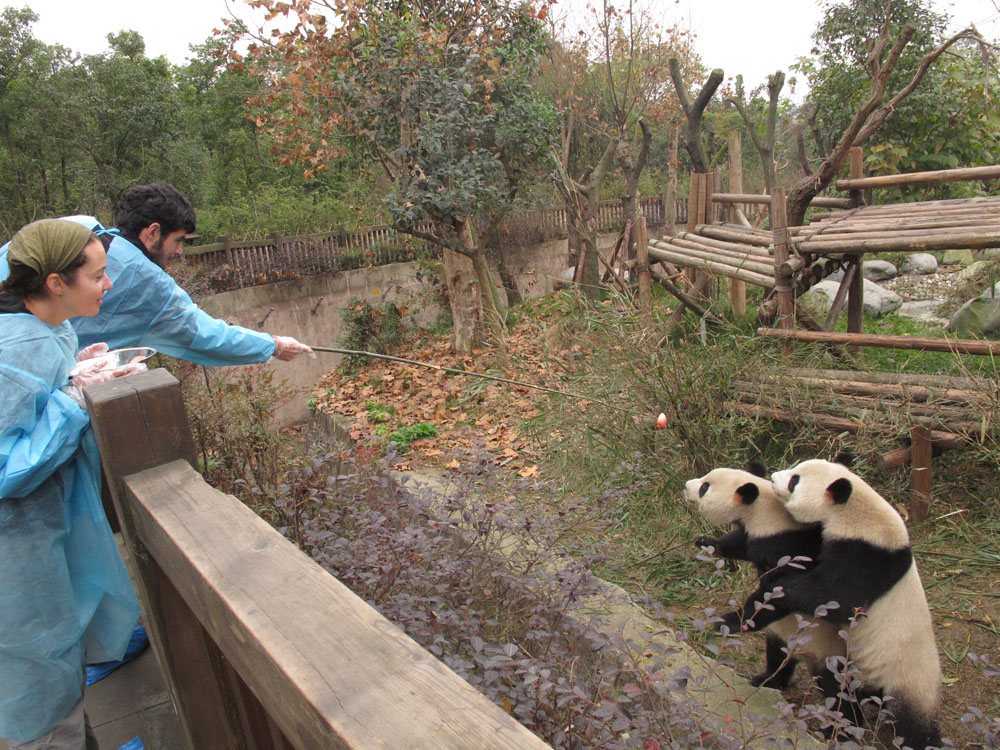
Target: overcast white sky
(738, 36)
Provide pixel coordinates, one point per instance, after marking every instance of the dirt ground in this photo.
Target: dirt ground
(959, 557)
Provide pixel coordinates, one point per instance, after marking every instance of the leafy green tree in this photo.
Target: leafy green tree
(438, 94)
(868, 77)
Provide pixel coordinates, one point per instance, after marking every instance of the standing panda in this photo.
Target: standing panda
(866, 564)
(764, 533)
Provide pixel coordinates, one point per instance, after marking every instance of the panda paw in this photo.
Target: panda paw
(732, 621)
(704, 541)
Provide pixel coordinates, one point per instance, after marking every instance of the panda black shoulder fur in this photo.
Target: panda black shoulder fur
(764, 532)
(866, 563)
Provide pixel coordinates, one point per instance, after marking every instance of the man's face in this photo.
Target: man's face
(166, 249)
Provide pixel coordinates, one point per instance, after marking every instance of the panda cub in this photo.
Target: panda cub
(866, 564)
(763, 533)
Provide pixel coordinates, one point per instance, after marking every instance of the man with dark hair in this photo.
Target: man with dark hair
(159, 217)
(145, 306)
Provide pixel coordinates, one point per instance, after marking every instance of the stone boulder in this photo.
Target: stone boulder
(878, 270)
(878, 301)
(956, 258)
(979, 317)
(920, 264)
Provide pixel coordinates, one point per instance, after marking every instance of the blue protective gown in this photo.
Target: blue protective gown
(146, 307)
(65, 597)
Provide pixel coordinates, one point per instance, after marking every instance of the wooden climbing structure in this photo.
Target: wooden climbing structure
(934, 413)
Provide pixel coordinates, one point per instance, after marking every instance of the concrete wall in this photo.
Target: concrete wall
(310, 309)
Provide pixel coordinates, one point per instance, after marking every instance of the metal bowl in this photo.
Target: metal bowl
(122, 357)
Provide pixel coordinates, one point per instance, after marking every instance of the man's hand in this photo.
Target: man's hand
(286, 348)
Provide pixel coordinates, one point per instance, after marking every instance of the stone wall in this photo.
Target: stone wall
(310, 309)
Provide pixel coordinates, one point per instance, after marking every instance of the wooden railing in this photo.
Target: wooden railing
(261, 648)
(236, 264)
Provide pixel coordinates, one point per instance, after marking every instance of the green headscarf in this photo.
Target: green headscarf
(48, 246)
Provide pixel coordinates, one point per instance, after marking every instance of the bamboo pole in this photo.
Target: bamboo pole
(856, 170)
(898, 391)
(736, 247)
(737, 287)
(962, 241)
(733, 235)
(783, 282)
(704, 252)
(935, 177)
(841, 296)
(955, 346)
(839, 235)
(897, 378)
(942, 441)
(722, 269)
(763, 199)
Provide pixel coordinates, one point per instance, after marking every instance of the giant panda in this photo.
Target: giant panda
(763, 534)
(866, 564)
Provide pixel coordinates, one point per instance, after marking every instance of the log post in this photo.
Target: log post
(642, 266)
(855, 299)
(857, 171)
(920, 471)
(737, 288)
(783, 283)
(140, 422)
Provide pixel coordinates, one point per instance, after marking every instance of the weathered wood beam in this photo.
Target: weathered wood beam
(935, 177)
(955, 346)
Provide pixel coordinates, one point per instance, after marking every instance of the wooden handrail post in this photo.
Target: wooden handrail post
(140, 422)
(783, 283)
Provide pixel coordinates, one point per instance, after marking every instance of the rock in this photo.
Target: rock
(993, 293)
(878, 270)
(989, 253)
(970, 271)
(919, 263)
(837, 276)
(878, 301)
(977, 318)
(956, 258)
(924, 310)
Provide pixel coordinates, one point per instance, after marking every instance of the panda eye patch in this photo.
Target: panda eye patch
(793, 482)
(703, 489)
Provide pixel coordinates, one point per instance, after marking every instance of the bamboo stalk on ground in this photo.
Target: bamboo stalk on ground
(948, 381)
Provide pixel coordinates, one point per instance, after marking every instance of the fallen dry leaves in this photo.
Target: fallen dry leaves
(467, 411)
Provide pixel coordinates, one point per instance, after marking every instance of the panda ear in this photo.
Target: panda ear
(748, 493)
(845, 458)
(840, 490)
(757, 469)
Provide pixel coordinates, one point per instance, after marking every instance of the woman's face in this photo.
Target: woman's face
(83, 296)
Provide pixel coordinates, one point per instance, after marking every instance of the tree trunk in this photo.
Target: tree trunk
(464, 300)
(633, 170)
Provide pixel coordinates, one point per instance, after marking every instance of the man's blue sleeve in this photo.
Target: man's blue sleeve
(146, 307)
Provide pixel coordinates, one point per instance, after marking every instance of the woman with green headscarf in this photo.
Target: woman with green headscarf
(65, 597)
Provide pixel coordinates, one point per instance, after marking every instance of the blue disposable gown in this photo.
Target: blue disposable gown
(146, 307)
(65, 597)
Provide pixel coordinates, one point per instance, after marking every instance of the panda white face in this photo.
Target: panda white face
(813, 489)
(723, 495)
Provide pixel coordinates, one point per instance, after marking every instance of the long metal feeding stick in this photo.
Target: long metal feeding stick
(470, 373)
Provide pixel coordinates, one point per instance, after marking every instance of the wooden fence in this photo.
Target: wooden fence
(237, 264)
(263, 649)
